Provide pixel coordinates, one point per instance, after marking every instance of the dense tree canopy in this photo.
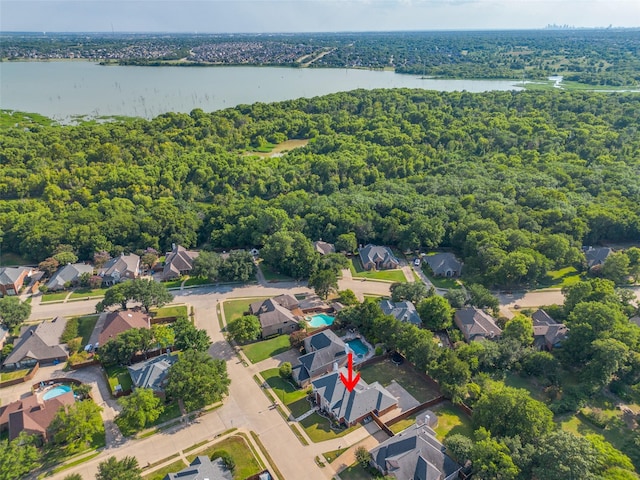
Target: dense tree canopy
(13, 312)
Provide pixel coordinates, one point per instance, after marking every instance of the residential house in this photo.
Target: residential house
(12, 279)
(596, 255)
(202, 468)
(349, 408)
(68, 274)
(152, 373)
(118, 322)
(414, 453)
(38, 343)
(4, 334)
(32, 415)
(178, 262)
(374, 257)
(324, 352)
(313, 304)
(475, 324)
(547, 333)
(444, 264)
(124, 267)
(403, 311)
(324, 248)
(277, 315)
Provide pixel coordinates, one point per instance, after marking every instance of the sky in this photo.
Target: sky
(229, 16)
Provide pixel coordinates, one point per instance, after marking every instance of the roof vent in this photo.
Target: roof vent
(131, 316)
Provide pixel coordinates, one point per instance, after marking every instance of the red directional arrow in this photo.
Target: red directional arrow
(351, 382)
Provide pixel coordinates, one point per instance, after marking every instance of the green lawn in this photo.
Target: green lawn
(119, 375)
(439, 282)
(527, 383)
(287, 392)
(386, 371)
(171, 468)
(86, 325)
(196, 281)
(6, 376)
(54, 297)
(236, 446)
(173, 283)
(452, 420)
(357, 472)
(170, 412)
(565, 277)
(88, 292)
(258, 351)
(271, 276)
(237, 308)
(332, 455)
(170, 311)
(358, 271)
(318, 428)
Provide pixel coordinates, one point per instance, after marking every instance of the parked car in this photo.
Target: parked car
(416, 262)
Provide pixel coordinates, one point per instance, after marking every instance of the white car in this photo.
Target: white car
(416, 262)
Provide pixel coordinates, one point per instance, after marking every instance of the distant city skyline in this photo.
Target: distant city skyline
(269, 16)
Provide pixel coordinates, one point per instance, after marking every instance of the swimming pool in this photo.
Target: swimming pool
(320, 320)
(56, 391)
(359, 348)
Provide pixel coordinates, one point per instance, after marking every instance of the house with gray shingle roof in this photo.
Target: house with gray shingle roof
(178, 262)
(444, 264)
(277, 315)
(378, 258)
(12, 279)
(152, 373)
(547, 333)
(596, 255)
(403, 311)
(324, 248)
(323, 351)
(124, 267)
(202, 468)
(476, 324)
(349, 408)
(38, 343)
(70, 273)
(414, 453)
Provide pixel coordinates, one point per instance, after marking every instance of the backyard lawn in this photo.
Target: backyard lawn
(451, 420)
(411, 380)
(258, 351)
(319, 429)
(170, 311)
(88, 292)
(54, 297)
(6, 376)
(236, 446)
(237, 308)
(119, 375)
(287, 392)
(358, 271)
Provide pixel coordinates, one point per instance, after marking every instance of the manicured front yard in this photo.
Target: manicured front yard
(407, 376)
(86, 325)
(171, 468)
(237, 308)
(564, 277)
(191, 281)
(88, 292)
(271, 276)
(236, 446)
(439, 282)
(358, 271)
(119, 375)
(332, 455)
(357, 472)
(258, 351)
(170, 311)
(54, 297)
(286, 391)
(319, 429)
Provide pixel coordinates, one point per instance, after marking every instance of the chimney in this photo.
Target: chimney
(335, 366)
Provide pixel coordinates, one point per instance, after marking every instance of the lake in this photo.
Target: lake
(62, 89)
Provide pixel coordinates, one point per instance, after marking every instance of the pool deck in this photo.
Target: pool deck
(356, 336)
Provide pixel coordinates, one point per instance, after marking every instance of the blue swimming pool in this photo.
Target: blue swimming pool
(359, 348)
(320, 320)
(56, 391)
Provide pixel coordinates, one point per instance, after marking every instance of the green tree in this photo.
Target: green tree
(75, 427)
(608, 356)
(64, 258)
(362, 456)
(520, 328)
(285, 370)
(49, 266)
(13, 312)
(197, 379)
(207, 265)
(125, 469)
(413, 292)
(346, 242)
(456, 298)
(238, 267)
(290, 253)
(163, 335)
(324, 282)
(633, 254)
(149, 293)
(490, 459)
(244, 329)
(616, 268)
(459, 446)
(436, 313)
(452, 374)
(188, 337)
(347, 297)
(18, 457)
(481, 297)
(117, 295)
(139, 409)
(563, 455)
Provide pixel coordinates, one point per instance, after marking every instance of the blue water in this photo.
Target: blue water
(56, 391)
(358, 347)
(321, 320)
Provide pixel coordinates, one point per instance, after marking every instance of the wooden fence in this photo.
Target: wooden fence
(26, 378)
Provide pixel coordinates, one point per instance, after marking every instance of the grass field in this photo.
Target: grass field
(171, 468)
(86, 325)
(191, 281)
(356, 472)
(170, 311)
(88, 292)
(386, 371)
(526, 383)
(452, 420)
(271, 276)
(237, 308)
(6, 376)
(54, 297)
(258, 351)
(439, 282)
(332, 455)
(358, 271)
(286, 392)
(565, 277)
(319, 429)
(236, 446)
(119, 375)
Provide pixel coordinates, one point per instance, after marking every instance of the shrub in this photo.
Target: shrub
(70, 331)
(285, 370)
(228, 460)
(378, 351)
(74, 344)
